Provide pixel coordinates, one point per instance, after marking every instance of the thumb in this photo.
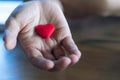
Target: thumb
(11, 33)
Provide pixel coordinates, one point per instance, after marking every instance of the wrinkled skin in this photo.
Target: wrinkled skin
(53, 54)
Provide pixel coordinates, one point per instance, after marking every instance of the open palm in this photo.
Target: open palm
(53, 54)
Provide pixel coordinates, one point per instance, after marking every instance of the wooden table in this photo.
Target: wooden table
(97, 38)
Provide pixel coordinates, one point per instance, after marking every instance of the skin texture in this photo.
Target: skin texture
(53, 54)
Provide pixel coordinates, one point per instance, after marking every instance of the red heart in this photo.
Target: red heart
(45, 31)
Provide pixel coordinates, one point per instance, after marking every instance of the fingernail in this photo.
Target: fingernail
(9, 34)
(9, 39)
(43, 0)
(6, 32)
(73, 48)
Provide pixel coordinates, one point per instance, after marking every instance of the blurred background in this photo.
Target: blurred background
(97, 37)
(7, 6)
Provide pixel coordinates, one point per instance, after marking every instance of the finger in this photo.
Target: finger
(11, 33)
(72, 48)
(61, 64)
(42, 63)
(48, 55)
(38, 60)
(58, 52)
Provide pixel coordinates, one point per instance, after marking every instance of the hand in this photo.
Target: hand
(53, 54)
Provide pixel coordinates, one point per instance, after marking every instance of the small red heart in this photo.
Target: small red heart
(45, 31)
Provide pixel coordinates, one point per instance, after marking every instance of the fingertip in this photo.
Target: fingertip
(74, 59)
(8, 46)
(75, 56)
(48, 64)
(76, 52)
(61, 64)
(42, 63)
(65, 61)
(9, 42)
(79, 54)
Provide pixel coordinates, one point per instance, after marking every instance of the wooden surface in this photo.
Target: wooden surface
(97, 38)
